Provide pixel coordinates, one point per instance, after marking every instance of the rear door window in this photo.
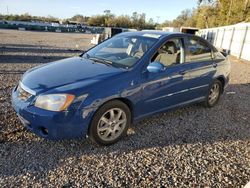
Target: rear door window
(197, 51)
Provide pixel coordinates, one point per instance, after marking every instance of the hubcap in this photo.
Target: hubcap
(214, 93)
(111, 124)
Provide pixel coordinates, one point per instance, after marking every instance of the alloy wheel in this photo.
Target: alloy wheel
(214, 93)
(111, 124)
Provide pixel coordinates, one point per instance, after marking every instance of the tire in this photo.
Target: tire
(110, 123)
(215, 96)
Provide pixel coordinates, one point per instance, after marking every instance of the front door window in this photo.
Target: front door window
(170, 53)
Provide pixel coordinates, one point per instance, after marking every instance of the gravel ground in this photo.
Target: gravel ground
(188, 147)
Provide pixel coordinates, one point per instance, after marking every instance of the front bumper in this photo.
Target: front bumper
(52, 125)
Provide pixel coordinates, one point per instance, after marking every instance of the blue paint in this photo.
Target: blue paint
(146, 88)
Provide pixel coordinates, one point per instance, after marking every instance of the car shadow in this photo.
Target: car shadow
(226, 122)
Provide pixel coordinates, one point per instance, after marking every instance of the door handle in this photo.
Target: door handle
(215, 65)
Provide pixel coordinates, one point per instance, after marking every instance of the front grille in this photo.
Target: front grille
(22, 94)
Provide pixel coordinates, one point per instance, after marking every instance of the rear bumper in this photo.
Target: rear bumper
(52, 125)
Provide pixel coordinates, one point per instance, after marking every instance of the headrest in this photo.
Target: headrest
(171, 47)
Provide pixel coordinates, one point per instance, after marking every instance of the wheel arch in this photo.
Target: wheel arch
(129, 104)
(126, 101)
(223, 81)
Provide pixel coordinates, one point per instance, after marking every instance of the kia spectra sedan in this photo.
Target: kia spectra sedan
(124, 79)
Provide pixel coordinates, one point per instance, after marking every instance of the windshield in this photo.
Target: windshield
(121, 51)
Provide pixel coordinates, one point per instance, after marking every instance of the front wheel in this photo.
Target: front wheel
(110, 123)
(214, 94)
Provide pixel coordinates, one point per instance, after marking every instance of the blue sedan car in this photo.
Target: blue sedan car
(124, 79)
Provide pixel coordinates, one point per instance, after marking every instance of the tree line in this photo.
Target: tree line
(28, 17)
(207, 14)
(107, 19)
(213, 13)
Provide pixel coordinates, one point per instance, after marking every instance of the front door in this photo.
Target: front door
(168, 88)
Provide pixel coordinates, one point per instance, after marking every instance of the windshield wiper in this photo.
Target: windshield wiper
(104, 61)
(99, 60)
(85, 55)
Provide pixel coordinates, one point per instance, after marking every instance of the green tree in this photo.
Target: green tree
(120, 21)
(98, 20)
(79, 18)
(184, 19)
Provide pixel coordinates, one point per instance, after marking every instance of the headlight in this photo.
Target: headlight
(54, 102)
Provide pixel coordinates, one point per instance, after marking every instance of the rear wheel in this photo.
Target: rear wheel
(214, 94)
(110, 123)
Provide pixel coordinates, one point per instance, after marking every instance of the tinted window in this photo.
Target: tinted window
(169, 53)
(197, 51)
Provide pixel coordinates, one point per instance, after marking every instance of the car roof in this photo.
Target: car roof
(162, 34)
(151, 32)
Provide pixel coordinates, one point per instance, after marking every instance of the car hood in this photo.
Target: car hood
(65, 72)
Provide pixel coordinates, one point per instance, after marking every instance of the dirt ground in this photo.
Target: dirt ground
(40, 47)
(188, 147)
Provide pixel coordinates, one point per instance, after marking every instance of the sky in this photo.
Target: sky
(159, 10)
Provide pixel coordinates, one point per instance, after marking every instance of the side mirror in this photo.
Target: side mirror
(155, 67)
(224, 52)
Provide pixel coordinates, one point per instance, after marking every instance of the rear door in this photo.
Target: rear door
(199, 67)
